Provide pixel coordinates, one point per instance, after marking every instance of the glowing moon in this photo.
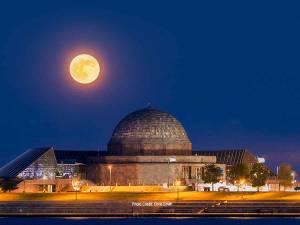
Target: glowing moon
(84, 69)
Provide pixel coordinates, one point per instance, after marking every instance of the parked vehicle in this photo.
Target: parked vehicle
(206, 189)
(297, 188)
(223, 189)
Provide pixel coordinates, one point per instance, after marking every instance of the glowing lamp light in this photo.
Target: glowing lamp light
(292, 174)
(177, 183)
(261, 160)
(76, 184)
(109, 167)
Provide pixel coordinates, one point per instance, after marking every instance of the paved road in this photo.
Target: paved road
(176, 209)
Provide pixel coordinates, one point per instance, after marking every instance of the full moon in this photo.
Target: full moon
(84, 69)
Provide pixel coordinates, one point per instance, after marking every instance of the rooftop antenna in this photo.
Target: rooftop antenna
(98, 153)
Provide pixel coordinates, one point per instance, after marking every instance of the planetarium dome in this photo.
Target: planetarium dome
(149, 132)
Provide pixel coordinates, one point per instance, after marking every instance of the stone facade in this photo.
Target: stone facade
(149, 132)
(41, 185)
(150, 170)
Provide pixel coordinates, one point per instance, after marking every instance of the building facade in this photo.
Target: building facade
(147, 147)
(151, 170)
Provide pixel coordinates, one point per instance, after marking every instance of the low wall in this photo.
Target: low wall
(61, 185)
(132, 189)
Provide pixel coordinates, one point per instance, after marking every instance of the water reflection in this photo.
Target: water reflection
(147, 221)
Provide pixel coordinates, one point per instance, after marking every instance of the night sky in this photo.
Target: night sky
(230, 72)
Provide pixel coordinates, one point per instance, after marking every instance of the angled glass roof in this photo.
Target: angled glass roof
(230, 156)
(16, 166)
(72, 156)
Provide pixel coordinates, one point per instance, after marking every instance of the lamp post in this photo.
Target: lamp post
(277, 180)
(169, 173)
(44, 185)
(76, 194)
(242, 182)
(110, 167)
(24, 186)
(170, 160)
(293, 174)
(177, 183)
(76, 186)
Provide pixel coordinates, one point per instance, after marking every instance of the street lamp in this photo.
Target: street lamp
(110, 167)
(242, 182)
(169, 173)
(293, 174)
(76, 185)
(177, 183)
(44, 185)
(24, 186)
(170, 160)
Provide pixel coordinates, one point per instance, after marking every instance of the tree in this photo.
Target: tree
(285, 175)
(8, 184)
(238, 174)
(212, 174)
(258, 175)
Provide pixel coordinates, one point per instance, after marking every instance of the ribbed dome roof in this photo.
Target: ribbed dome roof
(149, 132)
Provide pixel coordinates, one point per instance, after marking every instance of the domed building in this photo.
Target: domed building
(147, 147)
(149, 132)
(150, 147)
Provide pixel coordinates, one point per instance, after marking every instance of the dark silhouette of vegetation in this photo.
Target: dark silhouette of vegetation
(238, 174)
(212, 175)
(8, 184)
(285, 175)
(258, 175)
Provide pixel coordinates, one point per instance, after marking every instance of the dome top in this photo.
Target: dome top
(149, 132)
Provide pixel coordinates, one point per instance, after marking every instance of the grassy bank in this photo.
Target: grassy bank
(156, 196)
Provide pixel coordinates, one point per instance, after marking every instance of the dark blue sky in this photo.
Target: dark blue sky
(230, 72)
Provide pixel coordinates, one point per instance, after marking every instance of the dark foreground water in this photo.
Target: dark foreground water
(147, 221)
